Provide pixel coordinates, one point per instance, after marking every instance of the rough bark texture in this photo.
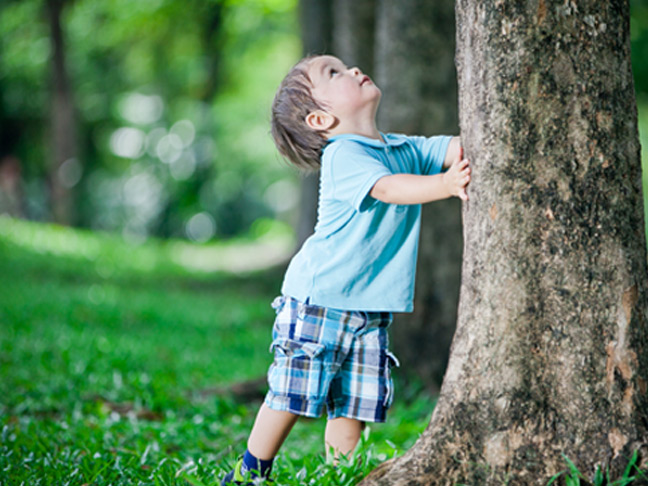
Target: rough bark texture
(63, 120)
(415, 50)
(549, 355)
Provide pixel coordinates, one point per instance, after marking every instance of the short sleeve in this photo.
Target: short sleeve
(433, 152)
(353, 172)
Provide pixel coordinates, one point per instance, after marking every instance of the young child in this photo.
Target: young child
(339, 292)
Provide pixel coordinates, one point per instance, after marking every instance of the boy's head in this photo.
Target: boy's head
(318, 98)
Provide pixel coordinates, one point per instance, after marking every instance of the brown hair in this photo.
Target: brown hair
(294, 139)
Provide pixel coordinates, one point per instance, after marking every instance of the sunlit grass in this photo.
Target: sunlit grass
(109, 374)
(268, 243)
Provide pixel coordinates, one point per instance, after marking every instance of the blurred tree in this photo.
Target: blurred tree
(354, 30)
(415, 69)
(316, 23)
(214, 45)
(345, 29)
(11, 195)
(64, 164)
(161, 108)
(549, 355)
(639, 35)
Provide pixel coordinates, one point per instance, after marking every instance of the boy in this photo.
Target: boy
(330, 334)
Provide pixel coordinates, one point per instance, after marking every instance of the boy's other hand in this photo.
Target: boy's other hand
(457, 177)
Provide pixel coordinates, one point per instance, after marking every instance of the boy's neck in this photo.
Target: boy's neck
(369, 131)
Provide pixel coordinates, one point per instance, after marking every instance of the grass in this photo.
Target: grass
(110, 354)
(573, 477)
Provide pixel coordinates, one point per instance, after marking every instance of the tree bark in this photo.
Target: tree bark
(549, 355)
(63, 120)
(415, 70)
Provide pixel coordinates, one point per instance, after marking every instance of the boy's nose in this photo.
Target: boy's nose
(356, 71)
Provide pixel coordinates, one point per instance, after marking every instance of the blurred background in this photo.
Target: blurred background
(151, 118)
(147, 118)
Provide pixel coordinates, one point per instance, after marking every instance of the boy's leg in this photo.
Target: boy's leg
(342, 435)
(269, 432)
(271, 427)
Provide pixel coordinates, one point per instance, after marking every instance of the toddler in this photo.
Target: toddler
(330, 334)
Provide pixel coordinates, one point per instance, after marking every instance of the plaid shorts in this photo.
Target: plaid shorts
(333, 357)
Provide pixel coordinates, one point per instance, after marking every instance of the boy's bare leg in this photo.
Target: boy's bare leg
(269, 432)
(342, 434)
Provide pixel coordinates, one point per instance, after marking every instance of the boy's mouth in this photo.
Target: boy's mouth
(364, 80)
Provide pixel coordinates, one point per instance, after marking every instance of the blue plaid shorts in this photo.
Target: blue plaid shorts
(333, 357)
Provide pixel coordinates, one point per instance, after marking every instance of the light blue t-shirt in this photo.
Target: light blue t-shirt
(362, 255)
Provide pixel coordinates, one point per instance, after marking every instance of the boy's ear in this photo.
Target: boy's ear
(320, 120)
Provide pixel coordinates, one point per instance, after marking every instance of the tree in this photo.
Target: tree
(415, 44)
(64, 151)
(549, 355)
(344, 29)
(354, 29)
(316, 22)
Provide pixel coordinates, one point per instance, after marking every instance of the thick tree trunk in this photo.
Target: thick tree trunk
(549, 355)
(415, 69)
(63, 123)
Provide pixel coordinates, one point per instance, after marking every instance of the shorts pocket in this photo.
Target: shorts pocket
(278, 303)
(392, 361)
(297, 368)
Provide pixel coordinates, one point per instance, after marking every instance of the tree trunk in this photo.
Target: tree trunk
(63, 124)
(316, 20)
(345, 29)
(415, 69)
(549, 355)
(354, 26)
(214, 41)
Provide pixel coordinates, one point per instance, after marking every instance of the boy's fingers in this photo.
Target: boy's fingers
(460, 164)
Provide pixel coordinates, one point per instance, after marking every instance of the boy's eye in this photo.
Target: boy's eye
(333, 72)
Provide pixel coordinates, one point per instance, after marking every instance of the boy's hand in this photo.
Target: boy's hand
(457, 177)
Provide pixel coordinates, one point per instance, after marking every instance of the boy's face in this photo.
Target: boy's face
(346, 93)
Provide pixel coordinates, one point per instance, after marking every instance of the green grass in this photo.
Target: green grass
(109, 355)
(573, 477)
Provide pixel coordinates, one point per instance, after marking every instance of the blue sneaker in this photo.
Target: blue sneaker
(235, 478)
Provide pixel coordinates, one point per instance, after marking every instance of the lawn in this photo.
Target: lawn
(115, 360)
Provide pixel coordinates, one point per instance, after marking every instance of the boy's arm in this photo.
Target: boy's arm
(453, 152)
(419, 189)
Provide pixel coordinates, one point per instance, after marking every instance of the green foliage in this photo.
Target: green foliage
(112, 355)
(173, 106)
(137, 69)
